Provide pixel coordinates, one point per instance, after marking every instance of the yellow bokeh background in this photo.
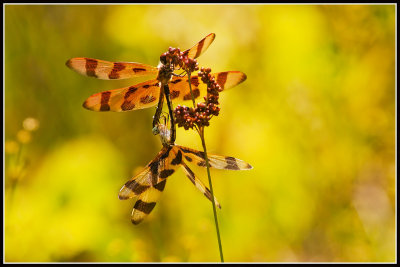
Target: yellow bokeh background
(315, 118)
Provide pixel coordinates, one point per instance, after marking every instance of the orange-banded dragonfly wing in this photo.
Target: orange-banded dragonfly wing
(180, 91)
(215, 161)
(199, 184)
(146, 94)
(139, 96)
(200, 47)
(107, 70)
(185, 154)
(146, 202)
(149, 183)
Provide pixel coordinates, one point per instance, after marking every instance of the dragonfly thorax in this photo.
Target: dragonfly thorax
(164, 132)
(165, 72)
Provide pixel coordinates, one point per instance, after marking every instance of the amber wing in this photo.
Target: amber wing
(200, 47)
(146, 94)
(149, 184)
(139, 96)
(108, 70)
(215, 161)
(180, 91)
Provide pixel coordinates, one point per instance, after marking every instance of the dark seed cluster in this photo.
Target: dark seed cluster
(189, 64)
(172, 56)
(200, 116)
(175, 57)
(189, 117)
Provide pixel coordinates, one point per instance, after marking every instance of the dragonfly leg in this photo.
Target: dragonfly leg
(171, 114)
(156, 117)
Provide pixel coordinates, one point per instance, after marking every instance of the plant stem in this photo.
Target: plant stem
(190, 87)
(15, 175)
(201, 133)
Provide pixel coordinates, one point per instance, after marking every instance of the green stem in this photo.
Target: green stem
(15, 179)
(190, 87)
(201, 132)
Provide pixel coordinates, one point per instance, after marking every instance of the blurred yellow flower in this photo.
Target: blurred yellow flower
(30, 124)
(11, 147)
(24, 136)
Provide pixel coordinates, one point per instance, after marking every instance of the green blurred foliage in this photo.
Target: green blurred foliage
(315, 118)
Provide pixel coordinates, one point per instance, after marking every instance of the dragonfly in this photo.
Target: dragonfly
(148, 185)
(147, 94)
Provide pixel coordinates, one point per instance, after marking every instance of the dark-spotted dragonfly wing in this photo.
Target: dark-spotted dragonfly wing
(139, 96)
(180, 91)
(107, 70)
(200, 47)
(215, 161)
(148, 185)
(199, 184)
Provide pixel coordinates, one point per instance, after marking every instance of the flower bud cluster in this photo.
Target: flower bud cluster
(200, 116)
(175, 57)
(172, 56)
(189, 64)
